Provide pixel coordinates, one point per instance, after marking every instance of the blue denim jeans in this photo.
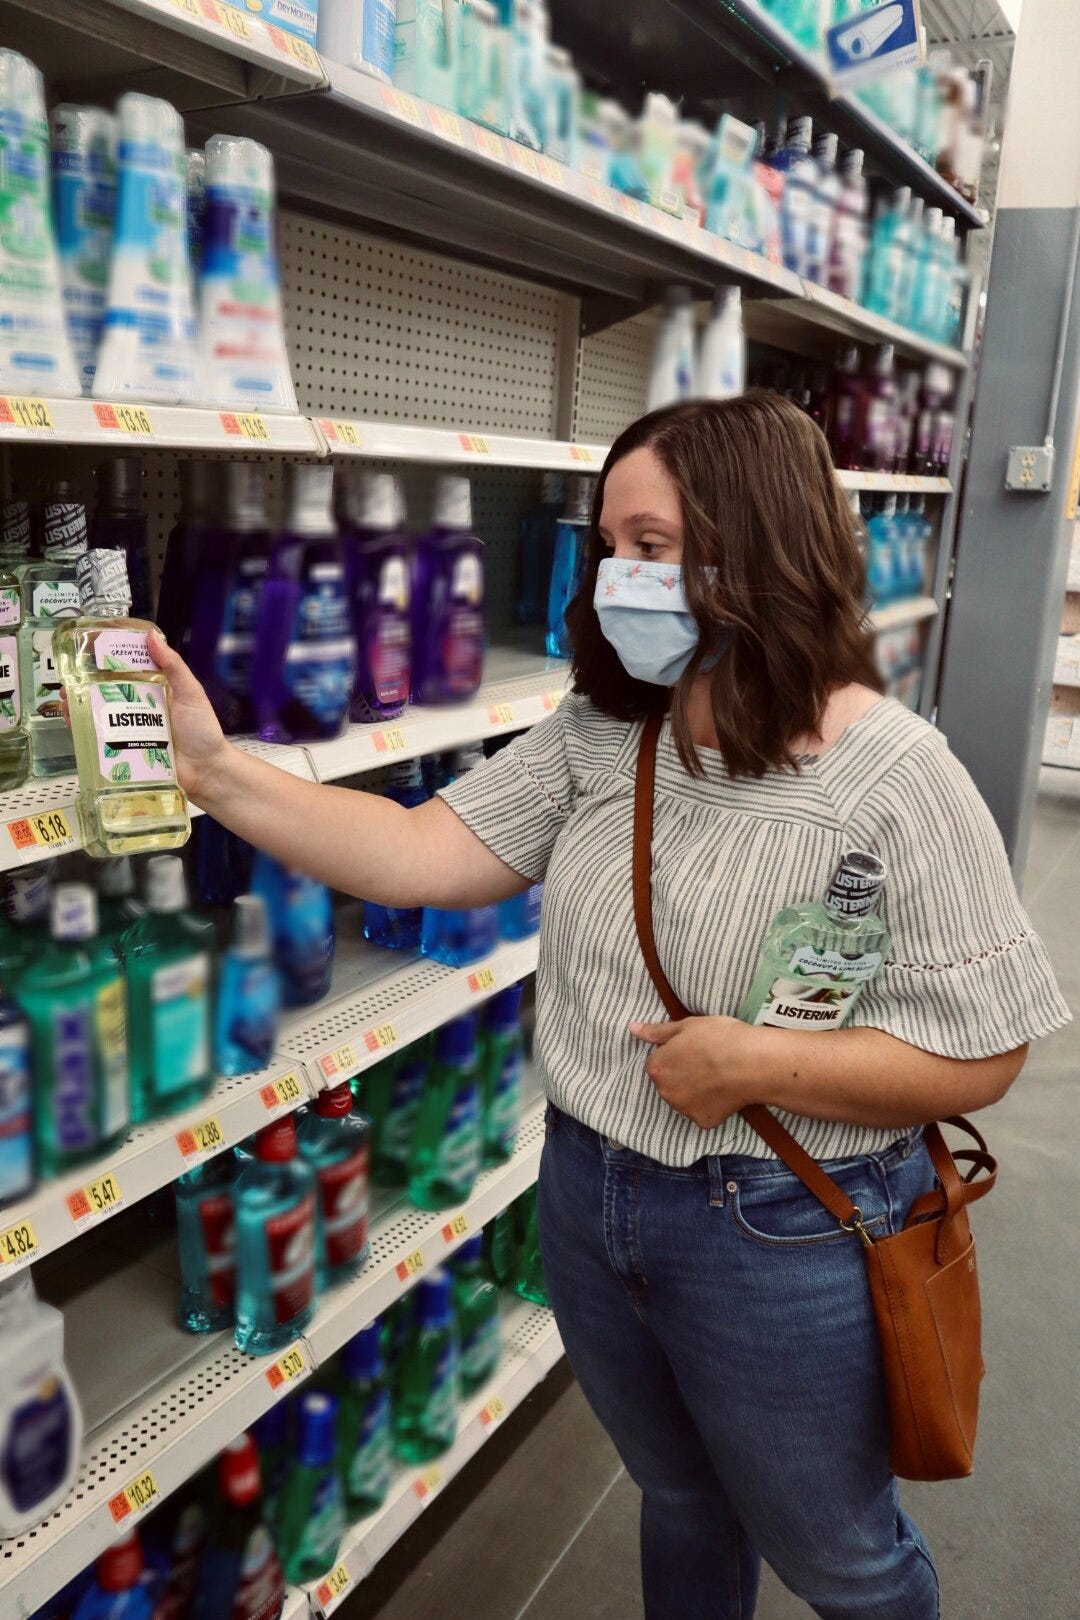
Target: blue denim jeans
(720, 1327)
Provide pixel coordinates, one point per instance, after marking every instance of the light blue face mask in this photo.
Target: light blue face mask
(642, 611)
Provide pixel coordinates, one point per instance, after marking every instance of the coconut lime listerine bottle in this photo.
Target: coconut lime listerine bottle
(816, 958)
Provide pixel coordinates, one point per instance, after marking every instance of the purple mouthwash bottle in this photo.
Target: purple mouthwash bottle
(303, 674)
(184, 551)
(120, 525)
(448, 600)
(226, 608)
(371, 514)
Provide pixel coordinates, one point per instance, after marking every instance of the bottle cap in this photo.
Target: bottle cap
(166, 885)
(856, 884)
(559, 58)
(658, 107)
(116, 878)
(243, 496)
(16, 529)
(147, 119)
(239, 1479)
(198, 494)
(504, 1008)
(847, 358)
(932, 221)
(937, 379)
(678, 297)
(233, 160)
(694, 136)
(901, 199)
(551, 489)
(369, 500)
(17, 1299)
(335, 1102)
(74, 911)
(851, 164)
(309, 492)
(27, 895)
(434, 1300)
(884, 359)
(825, 149)
(902, 503)
(317, 1413)
(948, 229)
(470, 1252)
(120, 481)
(452, 508)
(456, 1041)
(102, 578)
(362, 1356)
(888, 506)
(579, 497)
(88, 131)
(251, 927)
(726, 298)
(276, 1143)
(915, 214)
(800, 132)
(21, 85)
(195, 175)
(120, 1566)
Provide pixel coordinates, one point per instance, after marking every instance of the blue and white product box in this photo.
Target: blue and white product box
(299, 17)
(873, 42)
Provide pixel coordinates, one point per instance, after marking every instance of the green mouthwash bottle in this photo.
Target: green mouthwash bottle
(426, 1411)
(502, 1057)
(334, 1142)
(446, 1149)
(311, 1512)
(392, 1096)
(206, 1236)
(529, 1270)
(275, 1242)
(364, 1450)
(50, 595)
(500, 1247)
(118, 904)
(167, 958)
(476, 1305)
(816, 958)
(73, 996)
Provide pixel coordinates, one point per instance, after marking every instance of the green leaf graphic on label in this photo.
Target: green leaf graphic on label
(158, 756)
(121, 772)
(114, 663)
(129, 692)
(111, 693)
(7, 708)
(110, 753)
(151, 699)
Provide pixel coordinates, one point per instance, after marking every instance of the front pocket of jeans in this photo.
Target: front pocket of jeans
(769, 1210)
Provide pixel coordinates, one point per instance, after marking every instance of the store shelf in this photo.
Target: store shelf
(531, 1349)
(449, 447)
(1067, 661)
(909, 611)
(238, 32)
(894, 483)
(1061, 744)
(297, 1605)
(152, 427)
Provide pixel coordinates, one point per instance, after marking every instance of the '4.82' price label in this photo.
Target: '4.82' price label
(18, 1245)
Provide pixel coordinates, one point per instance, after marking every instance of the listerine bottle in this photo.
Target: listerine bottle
(334, 1142)
(571, 536)
(816, 958)
(50, 595)
(118, 904)
(426, 1410)
(364, 1447)
(529, 1266)
(393, 926)
(275, 1242)
(206, 1234)
(120, 524)
(241, 1577)
(167, 958)
(501, 1061)
(500, 1247)
(311, 1512)
(129, 799)
(14, 743)
(73, 996)
(479, 1322)
(249, 993)
(185, 548)
(394, 1091)
(446, 1149)
(24, 922)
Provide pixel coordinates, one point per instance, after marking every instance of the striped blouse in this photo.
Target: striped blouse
(967, 976)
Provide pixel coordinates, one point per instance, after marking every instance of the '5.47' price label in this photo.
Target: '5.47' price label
(95, 1201)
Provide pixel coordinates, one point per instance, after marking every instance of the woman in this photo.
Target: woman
(716, 1318)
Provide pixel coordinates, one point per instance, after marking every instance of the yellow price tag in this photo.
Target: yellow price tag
(344, 432)
(189, 8)
(501, 715)
(331, 1587)
(446, 123)
(493, 1412)
(388, 742)
(482, 979)
(457, 1228)
(96, 1200)
(50, 830)
(28, 413)
(208, 1136)
(404, 105)
(378, 1039)
(135, 1499)
(245, 426)
(551, 171)
(283, 1093)
(286, 1368)
(335, 1063)
(302, 51)
(553, 699)
(474, 444)
(581, 452)
(428, 1483)
(492, 145)
(18, 1244)
(133, 419)
(411, 1266)
(233, 21)
(524, 158)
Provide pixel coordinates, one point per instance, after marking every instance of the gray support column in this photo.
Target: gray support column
(1012, 550)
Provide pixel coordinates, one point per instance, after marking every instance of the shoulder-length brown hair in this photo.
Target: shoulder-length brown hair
(770, 556)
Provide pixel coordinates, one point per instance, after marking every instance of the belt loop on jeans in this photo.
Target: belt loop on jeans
(716, 1180)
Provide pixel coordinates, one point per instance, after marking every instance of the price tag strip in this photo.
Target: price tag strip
(494, 1412)
(49, 832)
(482, 979)
(201, 1141)
(501, 715)
(380, 1038)
(133, 419)
(18, 1246)
(94, 1202)
(282, 1094)
(287, 1368)
(332, 1588)
(457, 1228)
(339, 432)
(32, 414)
(239, 425)
(339, 1065)
(135, 1499)
(388, 742)
(411, 1266)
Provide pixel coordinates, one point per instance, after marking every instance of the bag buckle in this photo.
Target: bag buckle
(854, 1223)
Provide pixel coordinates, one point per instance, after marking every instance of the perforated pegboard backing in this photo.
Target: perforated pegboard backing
(613, 377)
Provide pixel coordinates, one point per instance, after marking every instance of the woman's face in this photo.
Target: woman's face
(641, 519)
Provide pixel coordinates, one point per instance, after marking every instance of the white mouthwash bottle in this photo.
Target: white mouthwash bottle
(40, 1420)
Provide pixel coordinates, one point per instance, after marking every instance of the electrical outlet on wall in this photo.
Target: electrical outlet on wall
(1031, 469)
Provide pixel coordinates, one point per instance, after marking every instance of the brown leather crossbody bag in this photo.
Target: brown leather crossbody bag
(923, 1281)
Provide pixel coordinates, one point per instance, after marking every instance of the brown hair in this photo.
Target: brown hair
(763, 510)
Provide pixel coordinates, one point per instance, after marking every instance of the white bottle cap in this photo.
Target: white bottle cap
(579, 495)
(74, 911)
(116, 878)
(453, 503)
(251, 926)
(233, 160)
(933, 221)
(74, 128)
(551, 489)
(28, 895)
(22, 86)
(559, 58)
(948, 229)
(692, 135)
(17, 1300)
(309, 494)
(375, 501)
(102, 578)
(166, 885)
(148, 118)
(195, 171)
(727, 298)
(658, 108)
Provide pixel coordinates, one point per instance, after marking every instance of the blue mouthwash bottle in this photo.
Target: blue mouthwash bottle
(118, 1590)
(249, 993)
(538, 550)
(519, 917)
(501, 1061)
(881, 555)
(426, 1409)
(302, 921)
(392, 1095)
(223, 862)
(479, 1320)
(446, 1148)
(206, 1235)
(371, 513)
(888, 255)
(275, 1242)
(795, 161)
(460, 937)
(392, 926)
(311, 1512)
(364, 1449)
(571, 537)
(225, 605)
(334, 1142)
(17, 1174)
(273, 1438)
(184, 550)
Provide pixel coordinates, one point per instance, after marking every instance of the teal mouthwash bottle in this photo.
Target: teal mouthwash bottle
(334, 1142)
(364, 1450)
(73, 996)
(519, 917)
(249, 993)
(206, 1234)
(460, 937)
(167, 958)
(479, 1322)
(529, 1270)
(273, 1438)
(501, 1061)
(426, 1410)
(118, 904)
(446, 1149)
(500, 1247)
(311, 1512)
(816, 958)
(275, 1243)
(392, 1095)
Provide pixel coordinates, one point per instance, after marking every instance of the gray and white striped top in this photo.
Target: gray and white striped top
(967, 976)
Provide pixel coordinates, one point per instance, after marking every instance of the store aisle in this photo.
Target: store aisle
(545, 1523)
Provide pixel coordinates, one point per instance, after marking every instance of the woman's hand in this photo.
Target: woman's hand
(700, 1066)
(201, 745)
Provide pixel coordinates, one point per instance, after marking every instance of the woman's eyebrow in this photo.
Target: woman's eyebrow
(652, 517)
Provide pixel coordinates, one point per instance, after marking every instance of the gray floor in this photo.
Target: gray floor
(543, 1526)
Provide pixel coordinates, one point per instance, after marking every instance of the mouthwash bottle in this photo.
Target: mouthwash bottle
(393, 1094)
(364, 1446)
(302, 922)
(502, 1058)
(479, 1320)
(73, 996)
(118, 904)
(185, 548)
(24, 922)
(129, 799)
(40, 1420)
(426, 1409)
(206, 1234)
(334, 1142)
(671, 373)
(888, 250)
(14, 743)
(241, 1577)
(500, 1247)
(796, 164)
(398, 928)
(17, 1173)
(446, 1150)
(460, 937)
(816, 958)
(371, 512)
(50, 595)
(249, 993)
(571, 537)
(311, 1513)
(307, 650)
(448, 601)
(529, 1266)
(881, 551)
(167, 959)
(876, 436)
(120, 524)
(519, 917)
(273, 1440)
(227, 595)
(223, 863)
(538, 550)
(847, 253)
(275, 1243)
(120, 1589)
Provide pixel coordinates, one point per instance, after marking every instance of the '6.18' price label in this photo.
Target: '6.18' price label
(50, 830)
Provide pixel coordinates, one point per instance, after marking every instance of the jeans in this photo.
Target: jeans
(720, 1327)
